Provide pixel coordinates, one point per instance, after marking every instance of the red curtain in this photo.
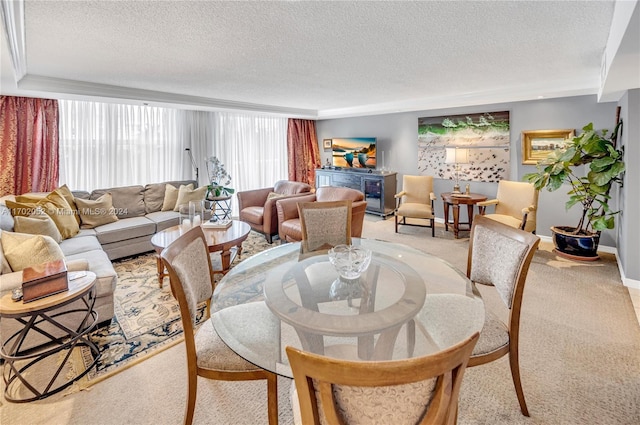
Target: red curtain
(302, 151)
(29, 143)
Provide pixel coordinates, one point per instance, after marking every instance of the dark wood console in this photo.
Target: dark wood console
(378, 187)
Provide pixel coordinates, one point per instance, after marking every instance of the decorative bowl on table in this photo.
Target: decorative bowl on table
(350, 261)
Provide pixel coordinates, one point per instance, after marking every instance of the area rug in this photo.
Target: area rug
(147, 317)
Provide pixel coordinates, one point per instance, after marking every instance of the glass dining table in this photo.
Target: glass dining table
(406, 304)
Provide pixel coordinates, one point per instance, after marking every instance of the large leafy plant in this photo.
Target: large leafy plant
(595, 153)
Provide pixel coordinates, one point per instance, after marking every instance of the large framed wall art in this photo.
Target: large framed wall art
(484, 139)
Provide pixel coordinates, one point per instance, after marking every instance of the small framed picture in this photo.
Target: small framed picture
(326, 143)
(537, 144)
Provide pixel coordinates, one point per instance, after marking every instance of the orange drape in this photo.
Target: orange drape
(29, 160)
(302, 150)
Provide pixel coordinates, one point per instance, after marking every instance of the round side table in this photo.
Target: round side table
(455, 200)
(43, 317)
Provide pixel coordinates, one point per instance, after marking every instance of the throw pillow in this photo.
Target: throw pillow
(54, 205)
(22, 250)
(68, 196)
(38, 223)
(185, 195)
(59, 210)
(274, 195)
(96, 213)
(171, 196)
(23, 209)
(4, 264)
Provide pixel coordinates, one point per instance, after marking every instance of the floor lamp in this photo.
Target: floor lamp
(193, 162)
(456, 156)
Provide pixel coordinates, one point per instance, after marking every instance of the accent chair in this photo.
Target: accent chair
(258, 207)
(516, 204)
(289, 228)
(416, 201)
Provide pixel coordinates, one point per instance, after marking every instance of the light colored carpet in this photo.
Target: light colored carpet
(580, 359)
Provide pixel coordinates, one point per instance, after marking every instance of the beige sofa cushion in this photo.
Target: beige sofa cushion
(128, 201)
(38, 223)
(23, 250)
(96, 212)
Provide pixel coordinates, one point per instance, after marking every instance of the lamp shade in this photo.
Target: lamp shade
(457, 156)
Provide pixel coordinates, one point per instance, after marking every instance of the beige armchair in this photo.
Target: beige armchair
(258, 207)
(289, 227)
(416, 201)
(515, 205)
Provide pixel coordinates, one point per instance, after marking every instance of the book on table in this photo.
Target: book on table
(219, 224)
(44, 279)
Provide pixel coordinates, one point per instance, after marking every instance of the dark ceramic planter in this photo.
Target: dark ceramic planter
(578, 247)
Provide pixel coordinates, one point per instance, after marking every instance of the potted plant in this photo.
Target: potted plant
(595, 154)
(219, 179)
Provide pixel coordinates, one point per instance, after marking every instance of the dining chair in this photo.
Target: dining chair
(420, 390)
(515, 204)
(500, 256)
(416, 201)
(191, 276)
(324, 224)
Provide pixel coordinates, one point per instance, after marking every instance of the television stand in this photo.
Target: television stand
(378, 187)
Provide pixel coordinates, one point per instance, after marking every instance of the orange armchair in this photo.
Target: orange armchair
(258, 207)
(289, 227)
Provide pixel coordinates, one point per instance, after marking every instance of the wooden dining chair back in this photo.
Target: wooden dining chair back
(191, 276)
(335, 391)
(500, 256)
(415, 201)
(324, 224)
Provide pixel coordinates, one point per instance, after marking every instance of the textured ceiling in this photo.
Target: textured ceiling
(323, 57)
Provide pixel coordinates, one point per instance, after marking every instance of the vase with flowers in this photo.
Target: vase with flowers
(219, 179)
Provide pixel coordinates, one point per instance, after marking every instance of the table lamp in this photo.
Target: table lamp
(457, 156)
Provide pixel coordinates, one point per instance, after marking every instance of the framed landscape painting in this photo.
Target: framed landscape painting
(537, 144)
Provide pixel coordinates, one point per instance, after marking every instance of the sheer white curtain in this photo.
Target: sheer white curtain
(106, 145)
(253, 149)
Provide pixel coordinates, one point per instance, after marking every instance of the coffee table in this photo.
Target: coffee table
(226, 241)
(43, 318)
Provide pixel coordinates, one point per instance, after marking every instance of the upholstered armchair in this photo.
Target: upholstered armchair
(258, 206)
(515, 205)
(289, 228)
(416, 201)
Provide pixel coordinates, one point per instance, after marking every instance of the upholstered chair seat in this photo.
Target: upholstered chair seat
(212, 353)
(494, 336)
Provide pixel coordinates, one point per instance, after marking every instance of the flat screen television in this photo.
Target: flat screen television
(354, 152)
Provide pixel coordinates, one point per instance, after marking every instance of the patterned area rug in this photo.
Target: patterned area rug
(147, 317)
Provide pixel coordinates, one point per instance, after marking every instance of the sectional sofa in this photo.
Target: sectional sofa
(138, 209)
